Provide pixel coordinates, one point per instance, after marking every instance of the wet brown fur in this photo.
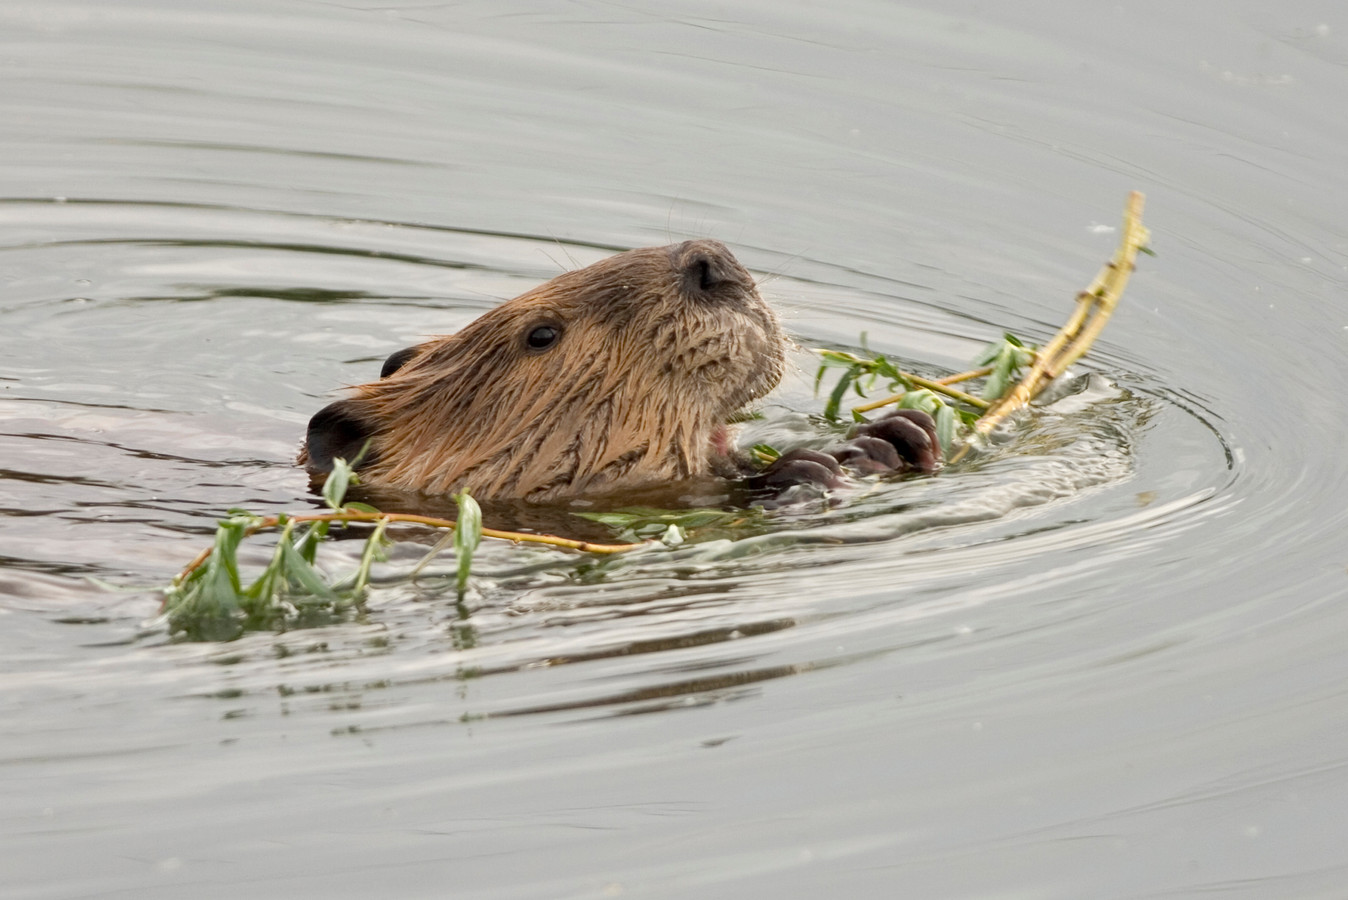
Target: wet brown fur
(657, 348)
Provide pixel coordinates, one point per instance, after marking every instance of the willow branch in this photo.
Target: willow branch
(966, 376)
(269, 522)
(940, 386)
(1094, 307)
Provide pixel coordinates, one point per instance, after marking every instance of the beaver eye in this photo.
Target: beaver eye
(542, 337)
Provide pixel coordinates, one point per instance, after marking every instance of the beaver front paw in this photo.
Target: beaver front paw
(799, 466)
(903, 440)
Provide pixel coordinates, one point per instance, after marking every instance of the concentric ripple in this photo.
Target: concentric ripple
(267, 311)
(1101, 659)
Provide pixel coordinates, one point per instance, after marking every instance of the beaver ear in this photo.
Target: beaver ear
(398, 360)
(336, 431)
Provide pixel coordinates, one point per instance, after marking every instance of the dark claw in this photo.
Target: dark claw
(867, 455)
(920, 419)
(800, 466)
(902, 441)
(912, 433)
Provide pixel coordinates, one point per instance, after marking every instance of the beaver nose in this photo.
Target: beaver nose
(709, 265)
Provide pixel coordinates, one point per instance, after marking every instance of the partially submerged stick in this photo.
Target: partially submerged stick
(211, 600)
(999, 364)
(270, 522)
(1094, 307)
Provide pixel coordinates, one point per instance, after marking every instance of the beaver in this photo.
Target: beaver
(619, 375)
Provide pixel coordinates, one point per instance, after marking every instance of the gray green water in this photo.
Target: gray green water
(1107, 662)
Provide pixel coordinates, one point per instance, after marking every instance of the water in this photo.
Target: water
(1105, 661)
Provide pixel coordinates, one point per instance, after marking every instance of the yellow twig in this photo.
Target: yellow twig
(1094, 307)
(939, 386)
(269, 522)
(965, 376)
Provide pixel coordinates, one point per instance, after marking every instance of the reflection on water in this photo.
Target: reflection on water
(1101, 658)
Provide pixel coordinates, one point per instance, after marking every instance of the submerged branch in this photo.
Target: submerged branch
(269, 522)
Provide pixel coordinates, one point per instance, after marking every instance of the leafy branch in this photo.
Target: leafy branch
(207, 599)
(1013, 373)
(1094, 307)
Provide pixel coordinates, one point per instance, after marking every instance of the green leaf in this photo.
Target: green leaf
(642, 522)
(1004, 368)
(1007, 357)
(445, 540)
(374, 550)
(995, 385)
(882, 366)
(309, 541)
(946, 426)
(835, 359)
(221, 575)
(206, 604)
(611, 519)
(923, 399)
(467, 536)
(838, 359)
(765, 453)
(268, 585)
(839, 390)
(968, 418)
(989, 353)
(302, 575)
(339, 479)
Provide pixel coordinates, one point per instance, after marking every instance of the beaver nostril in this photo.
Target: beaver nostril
(708, 266)
(701, 272)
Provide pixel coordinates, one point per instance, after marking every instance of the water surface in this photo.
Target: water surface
(1102, 661)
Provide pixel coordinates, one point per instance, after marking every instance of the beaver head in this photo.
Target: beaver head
(617, 375)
